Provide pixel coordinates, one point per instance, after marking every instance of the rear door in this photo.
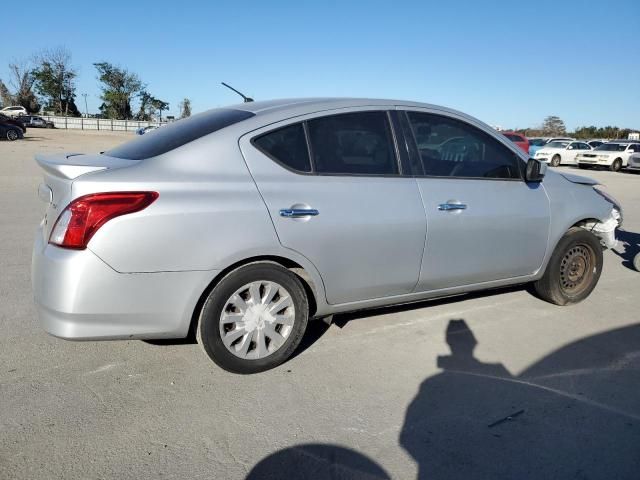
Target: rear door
(335, 192)
(484, 223)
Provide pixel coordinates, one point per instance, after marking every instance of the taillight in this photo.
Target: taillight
(85, 215)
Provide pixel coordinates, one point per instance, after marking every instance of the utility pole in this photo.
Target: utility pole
(86, 110)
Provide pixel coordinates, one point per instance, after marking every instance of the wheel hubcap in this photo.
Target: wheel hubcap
(257, 320)
(576, 269)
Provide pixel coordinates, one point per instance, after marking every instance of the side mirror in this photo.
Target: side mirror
(535, 170)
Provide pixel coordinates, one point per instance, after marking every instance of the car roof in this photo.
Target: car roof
(327, 103)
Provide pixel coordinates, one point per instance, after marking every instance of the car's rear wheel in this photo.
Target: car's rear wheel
(12, 135)
(616, 165)
(573, 270)
(555, 161)
(254, 319)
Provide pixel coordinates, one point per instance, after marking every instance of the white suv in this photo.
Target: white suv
(614, 155)
(14, 111)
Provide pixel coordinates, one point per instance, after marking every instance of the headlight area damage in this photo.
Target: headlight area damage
(605, 230)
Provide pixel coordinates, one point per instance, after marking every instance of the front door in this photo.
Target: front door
(484, 223)
(345, 206)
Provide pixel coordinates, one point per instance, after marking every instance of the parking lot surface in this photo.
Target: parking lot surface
(492, 385)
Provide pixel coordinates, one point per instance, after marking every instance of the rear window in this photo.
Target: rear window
(175, 135)
(287, 146)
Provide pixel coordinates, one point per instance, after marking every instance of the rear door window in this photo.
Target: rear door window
(286, 146)
(353, 143)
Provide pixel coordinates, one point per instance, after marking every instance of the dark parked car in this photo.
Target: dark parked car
(10, 131)
(5, 119)
(35, 121)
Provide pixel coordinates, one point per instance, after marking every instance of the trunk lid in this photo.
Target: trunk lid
(60, 172)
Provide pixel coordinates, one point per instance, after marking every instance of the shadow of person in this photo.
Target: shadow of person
(574, 414)
(631, 243)
(318, 462)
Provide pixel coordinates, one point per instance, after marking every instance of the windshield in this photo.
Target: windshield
(537, 142)
(557, 144)
(612, 147)
(170, 137)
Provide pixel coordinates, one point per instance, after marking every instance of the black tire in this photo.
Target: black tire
(208, 331)
(573, 270)
(555, 161)
(12, 135)
(616, 165)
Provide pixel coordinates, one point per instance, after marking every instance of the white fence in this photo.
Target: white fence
(81, 123)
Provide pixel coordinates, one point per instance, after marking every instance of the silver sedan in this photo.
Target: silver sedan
(245, 222)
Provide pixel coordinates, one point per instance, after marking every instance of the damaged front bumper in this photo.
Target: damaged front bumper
(606, 230)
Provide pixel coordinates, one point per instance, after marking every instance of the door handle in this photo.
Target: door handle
(298, 212)
(452, 206)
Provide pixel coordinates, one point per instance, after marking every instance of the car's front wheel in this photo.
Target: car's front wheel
(573, 270)
(616, 165)
(254, 319)
(555, 161)
(12, 135)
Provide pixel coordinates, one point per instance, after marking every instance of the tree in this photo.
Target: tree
(6, 99)
(54, 79)
(119, 86)
(159, 105)
(21, 80)
(148, 105)
(185, 108)
(553, 126)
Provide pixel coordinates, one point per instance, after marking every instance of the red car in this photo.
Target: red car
(519, 140)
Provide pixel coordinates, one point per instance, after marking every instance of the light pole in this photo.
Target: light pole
(86, 110)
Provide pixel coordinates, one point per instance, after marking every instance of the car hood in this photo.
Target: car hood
(579, 179)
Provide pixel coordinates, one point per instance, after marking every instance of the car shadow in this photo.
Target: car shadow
(573, 414)
(631, 243)
(318, 462)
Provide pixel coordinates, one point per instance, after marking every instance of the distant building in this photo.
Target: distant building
(634, 136)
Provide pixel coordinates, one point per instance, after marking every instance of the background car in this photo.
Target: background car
(613, 155)
(596, 143)
(536, 144)
(561, 152)
(13, 121)
(9, 131)
(518, 139)
(35, 121)
(634, 164)
(143, 130)
(14, 111)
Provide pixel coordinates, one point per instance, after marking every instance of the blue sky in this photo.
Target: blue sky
(507, 63)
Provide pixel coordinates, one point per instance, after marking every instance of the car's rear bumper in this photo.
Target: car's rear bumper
(79, 297)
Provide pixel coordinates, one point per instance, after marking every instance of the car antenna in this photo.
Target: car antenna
(245, 98)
